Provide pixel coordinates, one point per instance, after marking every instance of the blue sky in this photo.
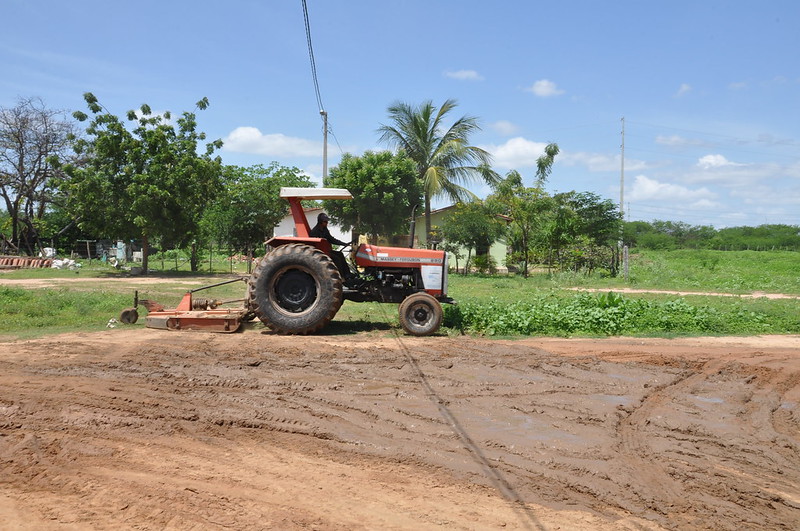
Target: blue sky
(710, 90)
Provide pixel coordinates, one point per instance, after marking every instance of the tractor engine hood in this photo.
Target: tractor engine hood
(432, 265)
(375, 256)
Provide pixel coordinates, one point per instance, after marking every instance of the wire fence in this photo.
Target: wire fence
(129, 256)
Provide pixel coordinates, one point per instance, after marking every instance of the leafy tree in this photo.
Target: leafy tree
(384, 188)
(60, 230)
(544, 164)
(31, 136)
(660, 234)
(657, 241)
(761, 237)
(561, 228)
(248, 205)
(148, 182)
(584, 222)
(599, 222)
(443, 157)
(633, 230)
(528, 209)
(476, 226)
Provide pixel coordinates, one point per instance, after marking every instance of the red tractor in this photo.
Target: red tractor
(296, 287)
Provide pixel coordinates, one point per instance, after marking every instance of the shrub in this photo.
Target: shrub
(607, 314)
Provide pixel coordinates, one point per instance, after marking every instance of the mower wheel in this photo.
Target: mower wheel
(129, 316)
(420, 314)
(295, 289)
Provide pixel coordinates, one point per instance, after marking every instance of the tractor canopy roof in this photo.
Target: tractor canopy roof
(315, 193)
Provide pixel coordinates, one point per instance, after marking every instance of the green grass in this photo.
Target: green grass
(27, 313)
(544, 304)
(704, 270)
(501, 305)
(89, 303)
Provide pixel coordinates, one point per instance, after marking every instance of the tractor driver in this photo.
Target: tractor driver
(320, 230)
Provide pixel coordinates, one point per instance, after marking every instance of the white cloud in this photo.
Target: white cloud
(769, 198)
(504, 127)
(704, 204)
(679, 141)
(719, 171)
(544, 88)
(516, 153)
(715, 161)
(793, 170)
(646, 189)
(464, 75)
(251, 140)
(600, 162)
(683, 90)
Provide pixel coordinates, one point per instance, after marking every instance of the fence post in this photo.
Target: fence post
(625, 262)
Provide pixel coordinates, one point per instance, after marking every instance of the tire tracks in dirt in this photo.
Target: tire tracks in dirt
(656, 487)
(186, 430)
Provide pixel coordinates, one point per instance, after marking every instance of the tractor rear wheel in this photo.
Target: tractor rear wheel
(420, 314)
(295, 289)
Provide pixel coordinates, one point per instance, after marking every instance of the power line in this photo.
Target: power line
(737, 143)
(320, 107)
(644, 209)
(322, 112)
(695, 131)
(333, 134)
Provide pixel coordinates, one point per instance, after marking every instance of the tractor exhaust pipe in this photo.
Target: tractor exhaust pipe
(413, 227)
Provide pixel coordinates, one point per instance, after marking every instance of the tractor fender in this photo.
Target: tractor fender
(318, 243)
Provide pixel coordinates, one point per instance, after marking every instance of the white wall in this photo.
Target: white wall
(286, 226)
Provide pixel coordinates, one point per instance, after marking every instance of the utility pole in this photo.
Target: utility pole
(324, 145)
(622, 172)
(622, 245)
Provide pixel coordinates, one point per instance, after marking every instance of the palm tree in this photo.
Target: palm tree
(443, 158)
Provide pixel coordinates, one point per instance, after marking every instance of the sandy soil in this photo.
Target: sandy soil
(150, 429)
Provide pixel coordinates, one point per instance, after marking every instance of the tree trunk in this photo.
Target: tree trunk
(427, 220)
(193, 258)
(525, 252)
(145, 254)
(31, 237)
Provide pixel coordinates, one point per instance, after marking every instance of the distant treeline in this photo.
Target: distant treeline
(665, 235)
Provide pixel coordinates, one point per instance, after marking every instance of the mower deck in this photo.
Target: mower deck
(190, 314)
(225, 321)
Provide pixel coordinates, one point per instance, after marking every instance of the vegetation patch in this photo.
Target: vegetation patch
(610, 313)
(29, 313)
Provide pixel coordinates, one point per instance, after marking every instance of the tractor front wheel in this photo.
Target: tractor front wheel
(295, 289)
(420, 314)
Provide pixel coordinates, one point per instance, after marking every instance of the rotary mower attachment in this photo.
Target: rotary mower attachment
(191, 313)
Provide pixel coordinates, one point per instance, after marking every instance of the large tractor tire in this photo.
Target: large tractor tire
(420, 314)
(296, 289)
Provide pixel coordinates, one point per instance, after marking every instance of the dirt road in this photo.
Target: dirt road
(148, 429)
